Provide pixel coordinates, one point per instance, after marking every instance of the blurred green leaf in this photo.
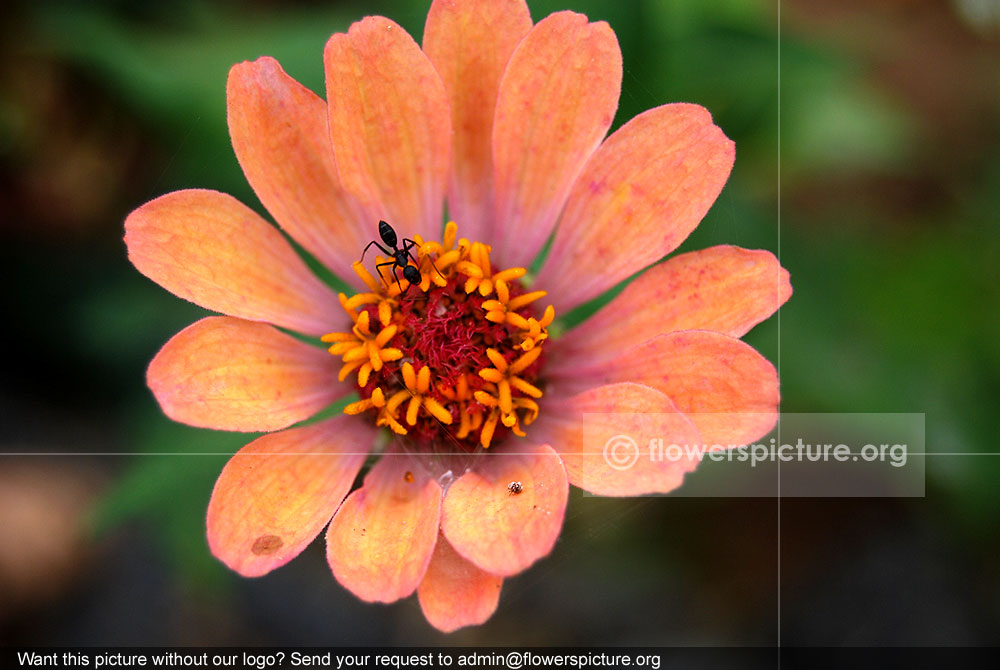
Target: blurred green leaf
(174, 74)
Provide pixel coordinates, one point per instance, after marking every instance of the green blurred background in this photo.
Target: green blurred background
(888, 194)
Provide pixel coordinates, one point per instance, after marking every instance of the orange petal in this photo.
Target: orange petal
(454, 592)
(209, 248)
(381, 539)
(469, 43)
(725, 289)
(277, 493)
(620, 422)
(722, 384)
(229, 374)
(641, 194)
(389, 123)
(499, 532)
(557, 99)
(280, 136)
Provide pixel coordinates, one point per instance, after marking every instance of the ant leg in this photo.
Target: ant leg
(380, 248)
(409, 244)
(396, 277)
(393, 264)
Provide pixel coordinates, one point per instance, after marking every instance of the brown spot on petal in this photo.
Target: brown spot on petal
(266, 544)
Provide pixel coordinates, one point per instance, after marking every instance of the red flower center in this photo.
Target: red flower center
(452, 361)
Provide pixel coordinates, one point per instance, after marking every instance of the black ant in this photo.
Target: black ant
(400, 257)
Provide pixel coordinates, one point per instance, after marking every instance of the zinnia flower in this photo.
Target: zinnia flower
(472, 403)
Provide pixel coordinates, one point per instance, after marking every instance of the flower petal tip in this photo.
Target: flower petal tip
(455, 593)
(381, 540)
(231, 374)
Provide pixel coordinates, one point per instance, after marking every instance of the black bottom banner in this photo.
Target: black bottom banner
(400, 658)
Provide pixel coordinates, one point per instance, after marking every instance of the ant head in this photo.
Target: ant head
(412, 274)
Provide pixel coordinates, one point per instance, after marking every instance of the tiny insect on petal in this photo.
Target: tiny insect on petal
(504, 534)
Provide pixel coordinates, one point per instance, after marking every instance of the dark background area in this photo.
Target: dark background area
(885, 123)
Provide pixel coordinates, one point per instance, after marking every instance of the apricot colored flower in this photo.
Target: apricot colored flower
(465, 394)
